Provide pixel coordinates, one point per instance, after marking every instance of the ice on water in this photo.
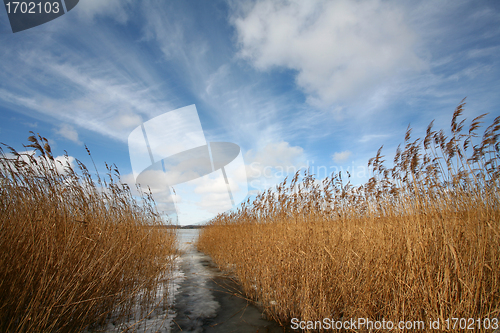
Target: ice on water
(183, 301)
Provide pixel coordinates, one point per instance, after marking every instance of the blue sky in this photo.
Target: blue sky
(293, 83)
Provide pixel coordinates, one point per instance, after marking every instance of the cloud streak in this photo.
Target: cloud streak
(109, 94)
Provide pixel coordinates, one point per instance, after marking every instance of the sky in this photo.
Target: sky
(315, 84)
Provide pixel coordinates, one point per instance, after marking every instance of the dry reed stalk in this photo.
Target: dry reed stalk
(73, 250)
(418, 241)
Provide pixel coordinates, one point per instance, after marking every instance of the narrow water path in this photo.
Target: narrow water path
(208, 301)
(195, 297)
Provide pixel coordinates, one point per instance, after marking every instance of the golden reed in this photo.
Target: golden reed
(73, 250)
(418, 241)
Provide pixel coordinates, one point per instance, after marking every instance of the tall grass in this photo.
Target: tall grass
(73, 250)
(418, 241)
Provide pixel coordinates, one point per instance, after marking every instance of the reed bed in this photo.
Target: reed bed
(74, 250)
(419, 241)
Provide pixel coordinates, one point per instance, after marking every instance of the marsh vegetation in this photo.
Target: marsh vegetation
(419, 241)
(75, 251)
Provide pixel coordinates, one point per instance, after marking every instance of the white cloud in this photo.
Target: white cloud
(338, 48)
(60, 162)
(89, 9)
(217, 185)
(32, 125)
(371, 137)
(215, 203)
(341, 156)
(127, 121)
(215, 79)
(129, 179)
(68, 132)
(270, 165)
(276, 154)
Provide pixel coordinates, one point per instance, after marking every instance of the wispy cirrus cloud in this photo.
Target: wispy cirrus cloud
(95, 93)
(237, 104)
(370, 137)
(116, 9)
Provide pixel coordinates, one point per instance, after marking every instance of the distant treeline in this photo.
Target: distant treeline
(180, 226)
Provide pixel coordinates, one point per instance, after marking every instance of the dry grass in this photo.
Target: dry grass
(419, 241)
(73, 250)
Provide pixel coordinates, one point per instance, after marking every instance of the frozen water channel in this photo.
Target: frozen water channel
(194, 301)
(207, 300)
(200, 299)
